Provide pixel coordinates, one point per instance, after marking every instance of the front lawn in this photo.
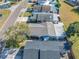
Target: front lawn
(3, 18)
(75, 49)
(17, 35)
(25, 14)
(0, 0)
(67, 14)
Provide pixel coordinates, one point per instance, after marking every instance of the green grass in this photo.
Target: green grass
(67, 15)
(74, 38)
(58, 3)
(5, 14)
(76, 11)
(0, 0)
(26, 14)
(75, 49)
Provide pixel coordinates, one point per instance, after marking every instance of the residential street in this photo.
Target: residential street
(41, 24)
(12, 18)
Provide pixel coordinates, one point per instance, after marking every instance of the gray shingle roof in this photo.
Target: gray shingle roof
(44, 45)
(42, 49)
(41, 16)
(42, 29)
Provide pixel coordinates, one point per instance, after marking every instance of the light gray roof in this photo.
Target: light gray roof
(43, 49)
(42, 29)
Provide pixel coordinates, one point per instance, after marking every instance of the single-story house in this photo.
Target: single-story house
(44, 50)
(44, 17)
(41, 16)
(46, 30)
(40, 8)
(41, 29)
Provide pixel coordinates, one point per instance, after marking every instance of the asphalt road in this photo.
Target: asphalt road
(12, 18)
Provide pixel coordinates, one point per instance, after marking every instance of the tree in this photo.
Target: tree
(73, 32)
(58, 4)
(73, 29)
(16, 34)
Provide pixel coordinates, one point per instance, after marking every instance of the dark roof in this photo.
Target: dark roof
(41, 16)
(42, 50)
(44, 45)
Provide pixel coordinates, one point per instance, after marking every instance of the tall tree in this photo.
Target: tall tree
(16, 34)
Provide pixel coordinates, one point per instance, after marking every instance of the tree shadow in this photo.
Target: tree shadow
(19, 55)
(73, 29)
(75, 11)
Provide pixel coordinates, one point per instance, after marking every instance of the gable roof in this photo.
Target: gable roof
(42, 29)
(41, 16)
(42, 49)
(45, 45)
(40, 8)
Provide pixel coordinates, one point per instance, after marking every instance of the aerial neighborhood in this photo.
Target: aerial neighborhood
(39, 29)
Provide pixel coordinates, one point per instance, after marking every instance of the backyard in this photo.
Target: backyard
(67, 14)
(3, 18)
(27, 13)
